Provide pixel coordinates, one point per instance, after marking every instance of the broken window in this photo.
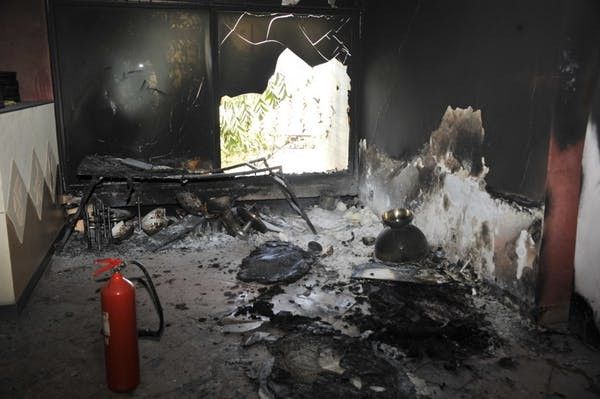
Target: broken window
(157, 83)
(284, 90)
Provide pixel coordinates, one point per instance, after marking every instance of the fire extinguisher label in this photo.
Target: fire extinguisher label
(106, 326)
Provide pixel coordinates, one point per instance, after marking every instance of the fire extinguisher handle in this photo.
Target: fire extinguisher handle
(149, 285)
(107, 265)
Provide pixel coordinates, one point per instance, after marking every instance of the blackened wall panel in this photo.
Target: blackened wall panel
(133, 83)
(500, 57)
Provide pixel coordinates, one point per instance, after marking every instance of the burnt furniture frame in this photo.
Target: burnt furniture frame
(116, 192)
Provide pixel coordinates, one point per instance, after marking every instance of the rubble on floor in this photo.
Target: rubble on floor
(321, 305)
(312, 365)
(322, 324)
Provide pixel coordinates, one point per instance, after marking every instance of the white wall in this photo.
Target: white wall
(28, 160)
(21, 133)
(587, 249)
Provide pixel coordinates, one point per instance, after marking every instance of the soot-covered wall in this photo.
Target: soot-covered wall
(514, 75)
(133, 82)
(499, 57)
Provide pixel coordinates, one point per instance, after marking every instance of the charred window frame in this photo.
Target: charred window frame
(307, 184)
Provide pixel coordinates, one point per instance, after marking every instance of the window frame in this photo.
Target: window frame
(252, 187)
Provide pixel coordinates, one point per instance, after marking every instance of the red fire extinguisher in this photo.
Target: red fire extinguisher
(119, 325)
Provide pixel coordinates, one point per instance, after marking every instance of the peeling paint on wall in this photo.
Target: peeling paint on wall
(445, 187)
(526, 252)
(458, 142)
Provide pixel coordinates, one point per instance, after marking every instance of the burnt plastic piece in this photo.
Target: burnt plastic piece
(251, 218)
(315, 247)
(174, 232)
(190, 203)
(154, 221)
(116, 215)
(410, 273)
(218, 204)
(274, 262)
(231, 224)
(327, 200)
(221, 207)
(368, 240)
(122, 231)
(400, 241)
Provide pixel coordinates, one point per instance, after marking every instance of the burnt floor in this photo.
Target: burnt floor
(55, 349)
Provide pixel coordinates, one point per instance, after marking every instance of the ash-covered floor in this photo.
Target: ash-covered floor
(443, 335)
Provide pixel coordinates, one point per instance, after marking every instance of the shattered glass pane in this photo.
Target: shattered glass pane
(284, 90)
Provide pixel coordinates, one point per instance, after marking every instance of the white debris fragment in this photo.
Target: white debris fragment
(422, 387)
(365, 334)
(524, 248)
(330, 360)
(356, 382)
(259, 336)
(282, 236)
(154, 221)
(326, 220)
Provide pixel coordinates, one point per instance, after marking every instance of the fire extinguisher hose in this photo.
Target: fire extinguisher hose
(149, 285)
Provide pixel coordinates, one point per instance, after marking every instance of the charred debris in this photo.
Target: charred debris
(340, 298)
(103, 226)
